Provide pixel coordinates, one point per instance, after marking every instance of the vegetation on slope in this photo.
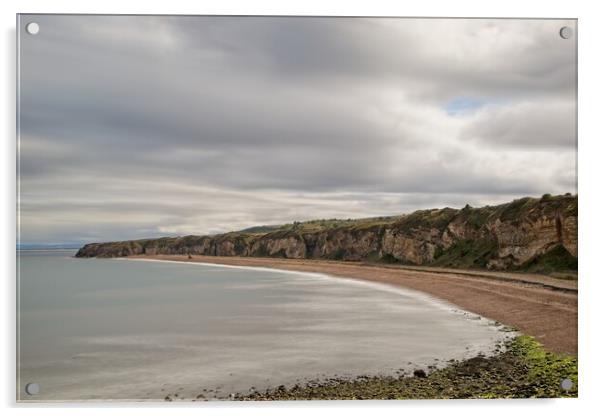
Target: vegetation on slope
(555, 260)
(467, 254)
(464, 238)
(315, 226)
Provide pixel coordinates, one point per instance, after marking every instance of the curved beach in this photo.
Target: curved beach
(539, 306)
(168, 330)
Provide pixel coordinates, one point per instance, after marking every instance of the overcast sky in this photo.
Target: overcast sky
(137, 127)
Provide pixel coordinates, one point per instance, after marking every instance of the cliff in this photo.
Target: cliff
(539, 235)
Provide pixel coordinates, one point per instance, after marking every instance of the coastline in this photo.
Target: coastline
(523, 368)
(539, 306)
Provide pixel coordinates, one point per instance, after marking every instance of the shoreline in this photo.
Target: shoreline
(376, 285)
(538, 306)
(516, 368)
(522, 370)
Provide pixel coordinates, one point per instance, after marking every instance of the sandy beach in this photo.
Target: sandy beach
(540, 306)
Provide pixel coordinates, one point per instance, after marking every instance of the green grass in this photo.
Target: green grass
(433, 218)
(335, 224)
(466, 254)
(339, 254)
(261, 229)
(476, 217)
(554, 261)
(516, 208)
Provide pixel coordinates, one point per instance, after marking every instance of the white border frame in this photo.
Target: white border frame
(590, 28)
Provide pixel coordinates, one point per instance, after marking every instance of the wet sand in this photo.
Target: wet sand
(540, 306)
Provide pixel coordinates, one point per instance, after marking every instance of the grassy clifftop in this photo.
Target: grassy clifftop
(534, 234)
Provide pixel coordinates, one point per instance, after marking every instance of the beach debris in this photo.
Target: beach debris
(419, 373)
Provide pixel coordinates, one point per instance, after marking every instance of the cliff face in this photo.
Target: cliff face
(529, 234)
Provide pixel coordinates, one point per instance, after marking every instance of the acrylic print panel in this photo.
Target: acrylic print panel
(280, 208)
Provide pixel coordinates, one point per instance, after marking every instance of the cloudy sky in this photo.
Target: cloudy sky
(137, 127)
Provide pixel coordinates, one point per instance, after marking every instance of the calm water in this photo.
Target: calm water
(131, 329)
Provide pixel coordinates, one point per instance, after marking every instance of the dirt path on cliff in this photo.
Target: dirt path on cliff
(540, 306)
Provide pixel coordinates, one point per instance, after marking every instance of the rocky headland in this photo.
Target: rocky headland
(531, 234)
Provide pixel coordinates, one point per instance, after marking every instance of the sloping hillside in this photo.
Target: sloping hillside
(535, 234)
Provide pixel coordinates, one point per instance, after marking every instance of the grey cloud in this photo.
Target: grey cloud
(549, 124)
(230, 110)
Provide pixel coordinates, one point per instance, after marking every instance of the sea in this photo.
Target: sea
(142, 330)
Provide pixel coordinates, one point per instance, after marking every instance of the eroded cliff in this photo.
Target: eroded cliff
(537, 234)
